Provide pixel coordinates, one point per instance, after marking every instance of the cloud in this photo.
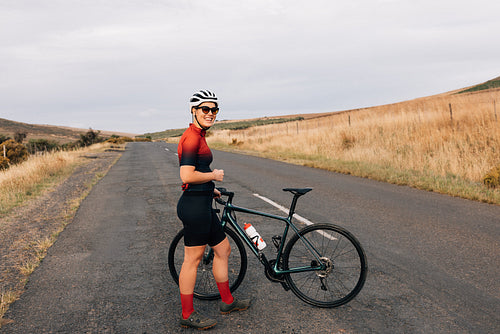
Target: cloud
(144, 59)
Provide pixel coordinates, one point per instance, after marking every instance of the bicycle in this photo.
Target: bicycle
(323, 264)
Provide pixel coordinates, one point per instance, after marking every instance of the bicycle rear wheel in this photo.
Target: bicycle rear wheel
(345, 265)
(205, 287)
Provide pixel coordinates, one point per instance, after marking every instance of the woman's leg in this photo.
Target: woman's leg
(221, 258)
(187, 277)
(220, 269)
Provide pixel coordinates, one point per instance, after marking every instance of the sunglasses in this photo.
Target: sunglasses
(206, 110)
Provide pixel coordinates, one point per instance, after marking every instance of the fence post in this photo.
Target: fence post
(495, 108)
(349, 117)
(451, 113)
(4, 153)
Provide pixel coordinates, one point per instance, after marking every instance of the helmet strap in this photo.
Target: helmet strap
(201, 126)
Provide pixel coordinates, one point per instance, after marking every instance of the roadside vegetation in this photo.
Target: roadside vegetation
(27, 169)
(448, 143)
(28, 179)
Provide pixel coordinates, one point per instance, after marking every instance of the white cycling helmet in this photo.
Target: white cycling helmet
(203, 96)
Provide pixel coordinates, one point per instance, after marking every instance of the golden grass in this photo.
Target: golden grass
(28, 179)
(39, 249)
(6, 298)
(399, 143)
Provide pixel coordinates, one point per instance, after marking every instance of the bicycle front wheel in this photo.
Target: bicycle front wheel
(205, 287)
(344, 261)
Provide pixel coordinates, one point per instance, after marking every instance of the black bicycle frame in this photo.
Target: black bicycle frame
(228, 218)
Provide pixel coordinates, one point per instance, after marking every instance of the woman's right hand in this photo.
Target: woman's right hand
(218, 174)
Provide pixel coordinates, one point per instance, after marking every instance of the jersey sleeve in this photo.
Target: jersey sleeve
(189, 151)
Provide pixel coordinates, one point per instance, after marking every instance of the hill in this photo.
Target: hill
(490, 84)
(59, 134)
(247, 123)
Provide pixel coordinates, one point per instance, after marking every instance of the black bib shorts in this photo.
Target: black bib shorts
(201, 224)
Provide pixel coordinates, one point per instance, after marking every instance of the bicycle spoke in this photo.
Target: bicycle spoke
(342, 260)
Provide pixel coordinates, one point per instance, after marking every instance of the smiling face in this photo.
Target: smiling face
(205, 120)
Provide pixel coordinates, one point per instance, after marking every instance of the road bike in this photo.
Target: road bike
(323, 264)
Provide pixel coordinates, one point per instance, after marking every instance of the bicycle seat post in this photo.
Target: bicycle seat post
(297, 192)
(293, 205)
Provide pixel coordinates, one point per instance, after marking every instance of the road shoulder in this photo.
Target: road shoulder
(27, 232)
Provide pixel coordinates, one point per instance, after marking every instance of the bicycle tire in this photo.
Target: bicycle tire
(206, 287)
(346, 266)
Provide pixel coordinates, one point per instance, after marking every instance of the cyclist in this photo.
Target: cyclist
(201, 225)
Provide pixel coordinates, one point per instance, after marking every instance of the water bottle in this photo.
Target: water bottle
(254, 236)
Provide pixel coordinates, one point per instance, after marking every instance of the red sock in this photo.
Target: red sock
(187, 305)
(225, 293)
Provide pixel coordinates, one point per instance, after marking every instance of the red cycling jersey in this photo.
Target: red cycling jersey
(194, 151)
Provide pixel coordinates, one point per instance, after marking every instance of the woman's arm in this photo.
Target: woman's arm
(190, 175)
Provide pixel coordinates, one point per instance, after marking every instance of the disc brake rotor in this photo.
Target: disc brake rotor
(328, 267)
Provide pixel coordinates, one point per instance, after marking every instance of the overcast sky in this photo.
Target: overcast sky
(131, 66)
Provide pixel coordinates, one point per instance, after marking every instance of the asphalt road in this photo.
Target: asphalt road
(433, 260)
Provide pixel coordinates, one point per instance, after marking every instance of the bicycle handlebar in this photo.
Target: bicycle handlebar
(224, 192)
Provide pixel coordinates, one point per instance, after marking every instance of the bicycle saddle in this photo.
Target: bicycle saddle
(298, 191)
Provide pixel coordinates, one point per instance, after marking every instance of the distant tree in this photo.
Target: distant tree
(91, 137)
(19, 136)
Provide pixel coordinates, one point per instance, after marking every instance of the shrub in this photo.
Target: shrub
(36, 145)
(4, 138)
(492, 178)
(115, 140)
(19, 136)
(69, 146)
(127, 139)
(4, 163)
(119, 140)
(348, 140)
(91, 137)
(146, 139)
(15, 152)
(235, 142)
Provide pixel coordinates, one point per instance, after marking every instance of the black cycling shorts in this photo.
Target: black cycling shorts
(201, 224)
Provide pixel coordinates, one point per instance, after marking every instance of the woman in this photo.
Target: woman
(201, 224)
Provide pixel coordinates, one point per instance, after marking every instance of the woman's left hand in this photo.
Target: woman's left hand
(217, 193)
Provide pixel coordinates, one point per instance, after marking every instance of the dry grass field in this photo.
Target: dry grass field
(26, 179)
(444, 143)
(36, 174)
